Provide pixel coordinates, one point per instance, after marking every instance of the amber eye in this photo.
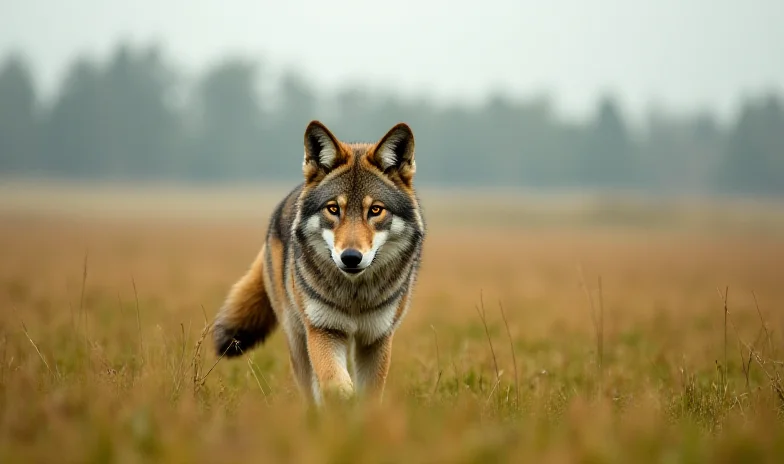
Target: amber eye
(375, 210)
(333, 209)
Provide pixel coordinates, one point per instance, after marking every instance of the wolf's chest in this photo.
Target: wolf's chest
(366, 326)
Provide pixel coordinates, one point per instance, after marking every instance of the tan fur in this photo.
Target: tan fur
(328, 355)
(353, 234)
(247, 307)
(275, 274)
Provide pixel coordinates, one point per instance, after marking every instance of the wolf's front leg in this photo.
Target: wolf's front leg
(328, 352)
(372, 365)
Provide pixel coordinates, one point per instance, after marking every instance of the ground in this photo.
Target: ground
(541, 330)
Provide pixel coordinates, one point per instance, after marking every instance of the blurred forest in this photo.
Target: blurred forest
(133, 116)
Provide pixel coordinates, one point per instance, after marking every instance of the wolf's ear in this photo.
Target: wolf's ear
(322, 152)
(394, 154)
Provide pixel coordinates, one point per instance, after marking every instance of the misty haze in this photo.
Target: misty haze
(659, 97)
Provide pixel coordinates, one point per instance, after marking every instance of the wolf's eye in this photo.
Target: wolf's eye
(375, 210)
(333, 209)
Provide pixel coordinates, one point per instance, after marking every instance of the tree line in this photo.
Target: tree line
(134, 116)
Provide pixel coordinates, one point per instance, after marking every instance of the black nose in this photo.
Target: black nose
(351, 257)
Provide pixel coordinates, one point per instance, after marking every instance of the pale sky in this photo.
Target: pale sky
(684, 55)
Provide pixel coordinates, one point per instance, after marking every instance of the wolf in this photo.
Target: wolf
(337, 268)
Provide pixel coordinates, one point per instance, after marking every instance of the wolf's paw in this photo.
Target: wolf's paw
(338, 392)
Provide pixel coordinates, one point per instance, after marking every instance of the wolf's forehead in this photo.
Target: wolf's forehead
(360, 149)
(355, 184)
(358, 183)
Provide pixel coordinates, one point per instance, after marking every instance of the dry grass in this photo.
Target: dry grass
(550, 344)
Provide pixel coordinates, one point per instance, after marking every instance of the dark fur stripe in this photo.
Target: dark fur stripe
(391, 298)
(312, 292)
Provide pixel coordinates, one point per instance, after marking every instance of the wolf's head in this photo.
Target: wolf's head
(358, 207)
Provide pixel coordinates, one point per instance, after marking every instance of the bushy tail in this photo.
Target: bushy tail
(246, 317)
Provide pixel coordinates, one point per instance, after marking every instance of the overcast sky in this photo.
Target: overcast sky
(685, 55)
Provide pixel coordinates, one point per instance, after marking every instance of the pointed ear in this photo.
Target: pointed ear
(394, 154)
(322, 152)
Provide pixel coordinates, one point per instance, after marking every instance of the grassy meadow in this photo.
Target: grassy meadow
(543, 329)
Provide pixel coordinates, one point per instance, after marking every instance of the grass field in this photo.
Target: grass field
(614, 344)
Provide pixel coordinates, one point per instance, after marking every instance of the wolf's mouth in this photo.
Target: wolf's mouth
(352, 270)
